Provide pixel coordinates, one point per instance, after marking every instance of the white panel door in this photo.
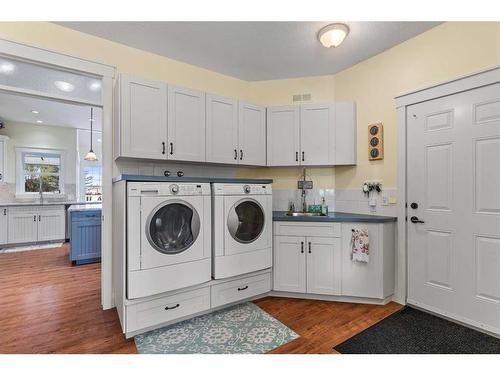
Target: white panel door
(4, 220)
(252, 134)
(317, 134)
(454, 178)
(143, 118)
(186, 124)
(222, 130)
(283, 136)
(289, 264)
(23, 224)
(51, 223)
(323, 265)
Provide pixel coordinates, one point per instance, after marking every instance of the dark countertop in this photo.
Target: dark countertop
(46, 203)
(131, 177)
(336, 217)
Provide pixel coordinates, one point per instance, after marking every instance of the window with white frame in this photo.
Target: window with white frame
(40, 171)
(91, 181)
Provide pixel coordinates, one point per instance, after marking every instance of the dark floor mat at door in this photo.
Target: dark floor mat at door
(412, 331)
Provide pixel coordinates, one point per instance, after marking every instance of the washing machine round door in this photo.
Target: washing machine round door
(245, 221)
(173, 227)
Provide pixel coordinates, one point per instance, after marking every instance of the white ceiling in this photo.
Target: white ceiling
(256, 50)
(17, 108)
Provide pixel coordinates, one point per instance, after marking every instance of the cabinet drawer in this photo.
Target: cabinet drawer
(240, 289)
(163, 310)
(306, 229)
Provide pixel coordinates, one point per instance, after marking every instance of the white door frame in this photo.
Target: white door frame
(107, 73)
(465, 83)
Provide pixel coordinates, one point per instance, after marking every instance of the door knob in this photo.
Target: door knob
(415, 220)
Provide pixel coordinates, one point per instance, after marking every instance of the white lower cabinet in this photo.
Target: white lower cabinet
(315, 258)
(4, 220)
(307, 264)
(34, 223)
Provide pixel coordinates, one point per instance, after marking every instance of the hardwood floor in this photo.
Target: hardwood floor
(49, 306)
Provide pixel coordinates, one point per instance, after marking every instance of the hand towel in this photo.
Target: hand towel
(360, 246)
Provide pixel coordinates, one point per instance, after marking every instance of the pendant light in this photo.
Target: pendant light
(91, 156)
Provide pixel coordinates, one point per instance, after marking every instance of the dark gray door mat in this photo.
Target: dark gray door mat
(411, 331)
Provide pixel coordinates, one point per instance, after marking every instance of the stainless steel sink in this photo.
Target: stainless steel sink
(305, 214)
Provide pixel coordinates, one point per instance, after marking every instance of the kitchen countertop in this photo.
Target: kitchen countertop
(340, 217)
(49, 203)
(228, 180)
(84, 207)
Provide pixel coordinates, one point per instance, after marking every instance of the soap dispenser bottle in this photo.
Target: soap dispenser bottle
(324, 207)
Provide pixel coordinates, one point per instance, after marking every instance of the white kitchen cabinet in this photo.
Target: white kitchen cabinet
(251, 134)
(312, 134)
(23, 225)
(141, 123)
(51, 223)
(3, 156)
(345, 133)
(36, 223)
(374, 279)
(289, 264)
(283, 136)
(323, 265)
(186, 124)
(4, 220)
(317, 134)
(222, 130)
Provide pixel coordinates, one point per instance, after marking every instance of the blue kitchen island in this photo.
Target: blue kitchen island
(85, 233)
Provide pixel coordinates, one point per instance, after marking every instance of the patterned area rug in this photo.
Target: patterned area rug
(240, 329)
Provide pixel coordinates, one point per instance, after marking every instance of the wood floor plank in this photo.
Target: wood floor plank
(49, 306)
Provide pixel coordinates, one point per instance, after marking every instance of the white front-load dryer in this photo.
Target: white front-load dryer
(169, 236)
(242, 228)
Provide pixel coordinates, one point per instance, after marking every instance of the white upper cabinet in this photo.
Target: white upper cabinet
(142, 118)
(283, 136)
(345, 133)
(251, 134)
(317, 134)
(222, 130)
(186, 124)
(312, 134)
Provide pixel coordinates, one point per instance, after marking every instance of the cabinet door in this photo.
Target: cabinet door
(51, 223)
(23, 224)
(143, 118)
(3, 225)
(362, 279)
(283, 136)
(323, 265)
(289, 264)
(186, 124)
(345, 133)
(252, 134)
(222, 130)
(317, 134)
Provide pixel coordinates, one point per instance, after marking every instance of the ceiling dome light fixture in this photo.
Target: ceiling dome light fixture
(64, 86)
(95, 86)
(6, 67)
(333, 35)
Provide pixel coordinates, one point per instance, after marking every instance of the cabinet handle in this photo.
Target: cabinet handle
(163, 148)
(171, 308)
(309, 244)
(39, 218)
(4, 212)
(235, 154)
(296, 156)
(240, 289)
(34, 218)
(303, 157)
(302, 247)
(241, 154)
(171, 148)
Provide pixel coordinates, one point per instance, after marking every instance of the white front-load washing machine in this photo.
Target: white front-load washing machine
(168, 236)
(242, 225)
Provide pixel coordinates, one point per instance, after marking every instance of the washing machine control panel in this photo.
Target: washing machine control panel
(166, 189)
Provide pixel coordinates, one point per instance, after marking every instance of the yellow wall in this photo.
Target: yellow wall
(442, 53)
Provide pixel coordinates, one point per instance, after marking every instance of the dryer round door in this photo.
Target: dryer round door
(245, 221)
(173, 227)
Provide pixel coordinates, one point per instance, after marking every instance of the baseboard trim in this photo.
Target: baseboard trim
(324, 297)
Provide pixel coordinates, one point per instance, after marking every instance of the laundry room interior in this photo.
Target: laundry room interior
(283, 186)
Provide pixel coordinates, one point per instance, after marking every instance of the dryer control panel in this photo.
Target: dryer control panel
(167, 189)
(242, 189)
